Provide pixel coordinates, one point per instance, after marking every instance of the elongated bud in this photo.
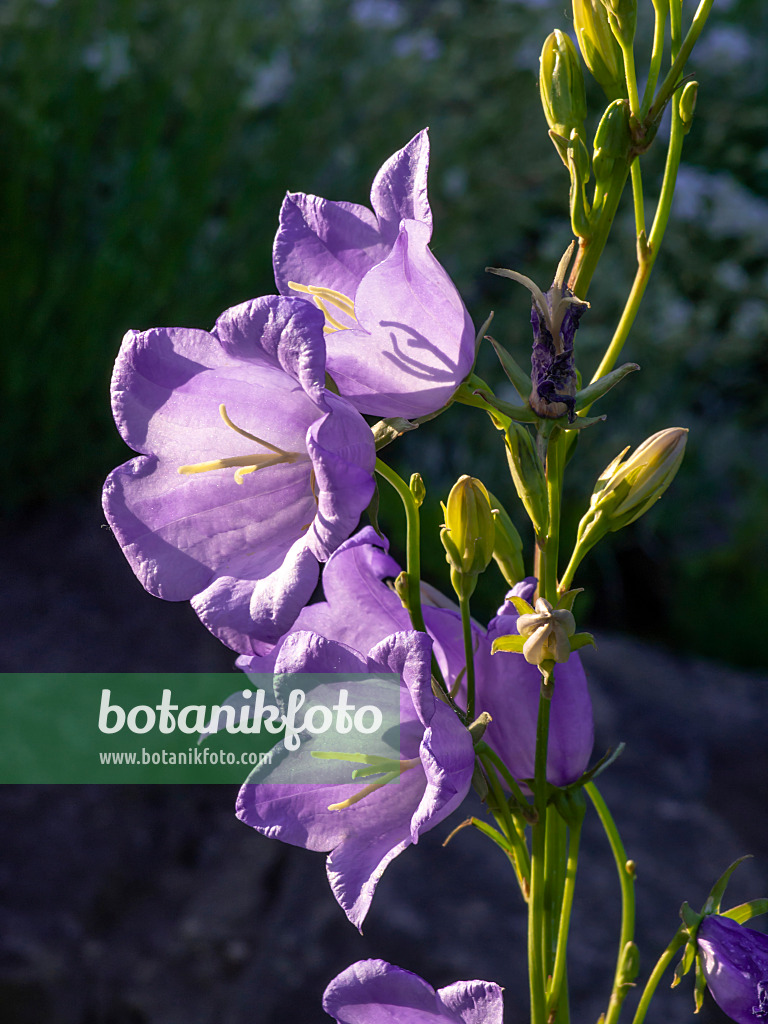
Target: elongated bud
(507, 545)
(418, 490)
(468, 533)
(527, 475)
(561, 83)
(598, 45)
(628, 487)
(612, 140)
(688, 104)
(622, 17)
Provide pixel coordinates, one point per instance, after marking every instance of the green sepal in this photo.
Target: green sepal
(571, 805)
(519, 413)
(567, 599)
(481, 333)
(511, 642)
(479, 784)
(685, 963)
(523, 607)
(699, 986)
(580, 422)
(478, 727)
(387, 431)
(712, 906)
(746, 911)
(521, 381)
(592, 392)
(579, 640)
(629, 966)
(598, 768)
(690, 919)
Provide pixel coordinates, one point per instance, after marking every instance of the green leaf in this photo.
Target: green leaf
(511, 642)
(521, 381)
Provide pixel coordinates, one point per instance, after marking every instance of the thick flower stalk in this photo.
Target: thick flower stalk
(363, 828)
(734, 960)
(375, 992)
(360, 610)
(399, 338)
(250, 472)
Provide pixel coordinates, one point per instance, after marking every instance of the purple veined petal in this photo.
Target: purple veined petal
(343, 460)
(399, 190)
(415, 342)
(237, 540)
(365, 836)
(735, 963)
(281, 331)
(376, 992)
(325, 243)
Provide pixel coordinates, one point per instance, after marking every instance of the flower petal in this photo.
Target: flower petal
(399, 190)
(319, 242)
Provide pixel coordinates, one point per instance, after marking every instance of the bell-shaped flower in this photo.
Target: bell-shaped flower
(250, 471)
(399, 338)
(364, 827)
(734, 960)
(375, 992)
(361, 609)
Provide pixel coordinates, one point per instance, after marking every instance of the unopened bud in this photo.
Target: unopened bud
(688, 104)
(418, 490)
(468, 533)
(622, 17)
(628, 487)
(612, 140)
(561, 83)
(527, 475)
(507, 545)
(598, 45)
(546, 631)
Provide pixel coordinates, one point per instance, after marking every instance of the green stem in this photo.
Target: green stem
(537, 925)
(628, 53)
(672, 79)
(413, 542)
(549, 544)
(521, 860)
(591, 249)
(647, 252)
(637, 197)
(555, 882)
(627, 883)
(661, 9)
(485, 751)
(558, 974)
(469, 656)
(664, 961)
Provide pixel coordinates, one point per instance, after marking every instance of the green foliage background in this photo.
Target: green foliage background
(147, 145)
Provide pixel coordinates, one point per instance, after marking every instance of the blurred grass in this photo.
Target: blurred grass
(147, 147)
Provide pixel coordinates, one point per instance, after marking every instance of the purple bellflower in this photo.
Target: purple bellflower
(360, 610)
(364, 827)
(375, 992)
(398, 336)
(250, 471)
(735, 964)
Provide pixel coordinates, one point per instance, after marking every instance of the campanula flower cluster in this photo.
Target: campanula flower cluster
(255, 464)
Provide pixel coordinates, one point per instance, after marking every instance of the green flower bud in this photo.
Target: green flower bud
(612, 140)
(622, 18)
(627, 488)
(527, 474)
(507, 545)
(688, 104)
(468, 533)
(598, 45)
(561, 83)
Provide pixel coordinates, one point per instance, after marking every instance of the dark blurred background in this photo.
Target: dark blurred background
(146, 150)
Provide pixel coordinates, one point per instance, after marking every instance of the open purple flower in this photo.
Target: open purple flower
(375, 992)
(399, 338)
(360, 610)
(735, 964)
(363, 827)
(250, 471)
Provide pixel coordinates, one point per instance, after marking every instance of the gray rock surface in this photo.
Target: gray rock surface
(154, 905)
